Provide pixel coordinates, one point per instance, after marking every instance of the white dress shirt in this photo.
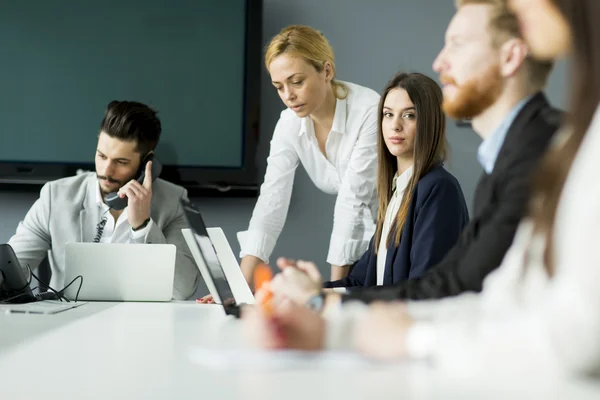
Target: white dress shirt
(523, 321)
(349, 171)
(121, 231)
(399, 186)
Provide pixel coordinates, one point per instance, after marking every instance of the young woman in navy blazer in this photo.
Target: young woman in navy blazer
(422, 209)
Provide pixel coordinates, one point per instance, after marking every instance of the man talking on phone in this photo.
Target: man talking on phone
(111, 205)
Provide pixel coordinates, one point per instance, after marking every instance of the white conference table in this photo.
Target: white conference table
(142, 351)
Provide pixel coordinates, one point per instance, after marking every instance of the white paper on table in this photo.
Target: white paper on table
(255, 359)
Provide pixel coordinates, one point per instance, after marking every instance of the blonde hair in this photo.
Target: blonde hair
(504, 26)
(311, 45)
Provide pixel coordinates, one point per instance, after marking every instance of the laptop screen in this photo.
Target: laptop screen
(209, 254)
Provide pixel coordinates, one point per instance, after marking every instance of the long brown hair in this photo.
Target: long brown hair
(585, 95)
(430, 149)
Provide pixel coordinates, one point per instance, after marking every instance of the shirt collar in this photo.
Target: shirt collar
(401, 181)
(339, 119)
(488, 151)
(99, 200)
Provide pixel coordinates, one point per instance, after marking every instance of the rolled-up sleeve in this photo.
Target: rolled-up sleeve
(356, 193)
(271, 208)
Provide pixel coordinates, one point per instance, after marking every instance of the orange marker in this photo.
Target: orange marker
(262, 275)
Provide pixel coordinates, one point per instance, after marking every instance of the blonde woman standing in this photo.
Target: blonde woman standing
(330, 127)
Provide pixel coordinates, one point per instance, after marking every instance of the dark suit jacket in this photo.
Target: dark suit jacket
(501, 200)
(436, 216)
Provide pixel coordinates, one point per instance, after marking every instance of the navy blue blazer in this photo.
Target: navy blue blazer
(436, 216)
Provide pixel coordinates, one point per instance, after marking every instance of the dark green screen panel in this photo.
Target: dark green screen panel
(64, 60)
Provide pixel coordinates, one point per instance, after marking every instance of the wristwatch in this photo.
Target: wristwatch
(316, 302)
(142, 226)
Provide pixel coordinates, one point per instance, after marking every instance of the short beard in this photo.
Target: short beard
(474, 96)
(109, 179)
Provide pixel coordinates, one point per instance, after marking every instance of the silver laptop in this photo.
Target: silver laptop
(120, 272)
(209, 263)
(44, 307)
(231, 268)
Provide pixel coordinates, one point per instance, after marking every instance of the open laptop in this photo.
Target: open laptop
(120, 271)
(231, 268)
(205, 255)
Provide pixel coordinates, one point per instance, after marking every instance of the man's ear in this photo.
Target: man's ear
(145, 157)
(513, 54)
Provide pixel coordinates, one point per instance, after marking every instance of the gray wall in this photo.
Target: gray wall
(372, 40)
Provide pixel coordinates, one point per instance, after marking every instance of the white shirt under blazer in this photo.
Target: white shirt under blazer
(349, 171)
(399, 185)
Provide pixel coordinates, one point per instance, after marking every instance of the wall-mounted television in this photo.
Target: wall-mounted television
(197, 62)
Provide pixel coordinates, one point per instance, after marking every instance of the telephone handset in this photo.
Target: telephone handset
(115, 202)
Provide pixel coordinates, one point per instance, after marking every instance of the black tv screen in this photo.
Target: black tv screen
(197, 62)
